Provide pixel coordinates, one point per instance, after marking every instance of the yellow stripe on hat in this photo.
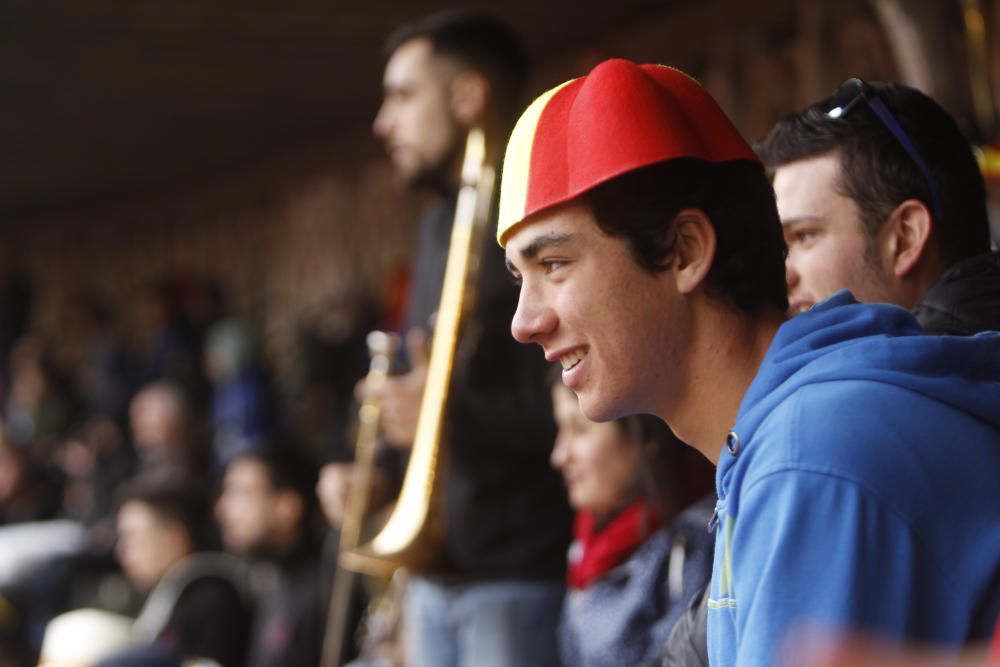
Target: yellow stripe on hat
(989, 161)
(517, 164)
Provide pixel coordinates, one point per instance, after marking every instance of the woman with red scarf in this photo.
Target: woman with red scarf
(635, 562)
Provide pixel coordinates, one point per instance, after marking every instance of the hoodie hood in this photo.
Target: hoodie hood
(841, 339)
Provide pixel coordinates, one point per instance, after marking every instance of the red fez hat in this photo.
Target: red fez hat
(619, 118)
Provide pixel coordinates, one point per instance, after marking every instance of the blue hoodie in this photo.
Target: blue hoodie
(860, 486)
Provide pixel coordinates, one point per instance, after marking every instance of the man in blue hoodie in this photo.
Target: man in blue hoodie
(858, 460)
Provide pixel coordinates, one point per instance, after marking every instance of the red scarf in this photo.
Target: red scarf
(592, 554)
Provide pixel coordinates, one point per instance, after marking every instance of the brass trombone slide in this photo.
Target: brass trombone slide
(381, 348)
(411, 536)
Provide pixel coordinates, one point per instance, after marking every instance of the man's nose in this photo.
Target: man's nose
(791, 275)
(532, 319)
(381, 124)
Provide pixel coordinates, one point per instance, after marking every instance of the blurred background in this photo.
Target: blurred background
(217, 156)
(190, 193)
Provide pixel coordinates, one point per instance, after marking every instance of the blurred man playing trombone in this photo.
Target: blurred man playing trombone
(496, 599)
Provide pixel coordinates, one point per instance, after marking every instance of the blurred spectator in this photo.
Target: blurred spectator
(265, 513)
(164, 429)
(15, 308)
(635, 563)
(242, 402)
(94, 459)
(39, 406)
(104, 374)
(173, 344)
(333, 356)
(28, 489)
(196, 605)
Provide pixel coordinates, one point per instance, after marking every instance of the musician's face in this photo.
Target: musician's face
(618, 330)
(599, 464)
(416, 120)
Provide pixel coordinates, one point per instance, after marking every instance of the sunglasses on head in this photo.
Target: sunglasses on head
(854, 91)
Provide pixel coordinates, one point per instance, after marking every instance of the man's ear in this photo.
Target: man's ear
(907, 230)
(470, 93)
(694, 251)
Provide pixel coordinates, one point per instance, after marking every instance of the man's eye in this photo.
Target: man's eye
(550, 265)
(802, 236)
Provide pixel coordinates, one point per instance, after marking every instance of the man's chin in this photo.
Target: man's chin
(596, 410)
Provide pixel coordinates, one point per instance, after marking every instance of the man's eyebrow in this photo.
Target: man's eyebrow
(530, 251)
(796, 219)
(545, 242)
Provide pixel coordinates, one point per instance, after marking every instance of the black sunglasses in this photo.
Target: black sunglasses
(850, 94)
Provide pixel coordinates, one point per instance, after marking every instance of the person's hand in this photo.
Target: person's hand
(401, 395)
(817, 649)
(334, 490)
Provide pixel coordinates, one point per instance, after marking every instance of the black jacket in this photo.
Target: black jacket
(506, 513)
(965, 300)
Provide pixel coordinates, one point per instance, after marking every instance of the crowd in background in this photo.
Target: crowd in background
(97, 455)
(173, 486)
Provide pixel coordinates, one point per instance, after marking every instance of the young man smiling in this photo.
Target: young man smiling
(857, 459)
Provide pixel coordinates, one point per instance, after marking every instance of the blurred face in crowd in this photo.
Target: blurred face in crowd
(599, 464)
(158, 420)
(828, 248)
(148, 544)
(416, 120)
(245, 510)
(255, 518)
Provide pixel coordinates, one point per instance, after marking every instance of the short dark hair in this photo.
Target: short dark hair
(660, 450)
(878, 174)
(288, 469)
(749, 266)
(172, 497)
(479, 40)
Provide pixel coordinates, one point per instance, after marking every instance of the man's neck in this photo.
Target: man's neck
(728, 349)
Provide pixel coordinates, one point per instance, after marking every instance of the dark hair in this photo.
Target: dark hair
(659, 481)
(479, 40)
(171, 496)
(877, 172)
(749, 266)
(288, 469)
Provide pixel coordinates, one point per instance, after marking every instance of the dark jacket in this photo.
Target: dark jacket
(965, 300)
(624, 617)
(288, 622)
(506, 513)
(199, 610)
